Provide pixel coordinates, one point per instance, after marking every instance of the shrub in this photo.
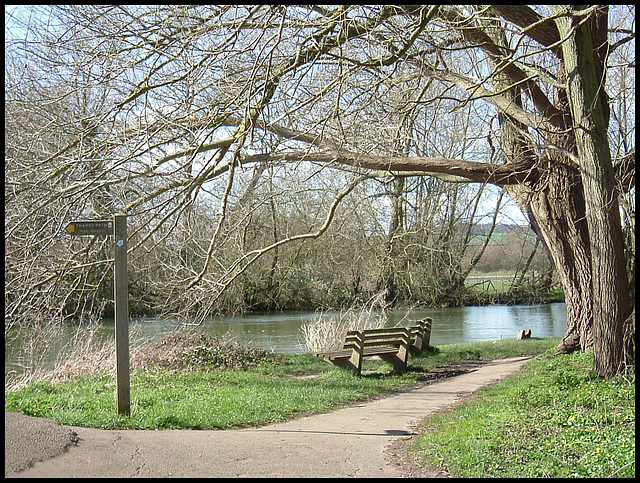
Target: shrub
(193, 349)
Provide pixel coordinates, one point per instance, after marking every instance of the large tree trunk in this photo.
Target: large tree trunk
(557, 214)
(584, 53)
(553, 201)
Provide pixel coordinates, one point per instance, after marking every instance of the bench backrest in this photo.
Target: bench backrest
(389, 336)
(421, 326)
(418, 335)
(421, 334)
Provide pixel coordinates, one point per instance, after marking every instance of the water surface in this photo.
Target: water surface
(281, 332)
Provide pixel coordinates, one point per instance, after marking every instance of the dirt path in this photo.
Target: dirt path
(361, 440)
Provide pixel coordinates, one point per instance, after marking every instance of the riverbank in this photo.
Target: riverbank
(482, 291)
(42, 348)
(558, 409)
(205, 385)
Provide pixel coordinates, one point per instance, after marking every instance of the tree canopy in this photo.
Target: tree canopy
(167, 113)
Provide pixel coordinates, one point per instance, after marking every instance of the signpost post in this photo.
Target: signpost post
(118, 229)
(121, 314)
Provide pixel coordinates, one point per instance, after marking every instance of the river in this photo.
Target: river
(281, 332)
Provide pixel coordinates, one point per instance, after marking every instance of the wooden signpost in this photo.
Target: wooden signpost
(117, 228)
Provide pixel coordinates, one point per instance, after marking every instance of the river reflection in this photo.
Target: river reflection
(281, 332)
(470, 324)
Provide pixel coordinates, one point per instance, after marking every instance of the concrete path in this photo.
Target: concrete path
(348, 442)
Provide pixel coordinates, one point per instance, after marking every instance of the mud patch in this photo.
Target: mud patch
(407, 462)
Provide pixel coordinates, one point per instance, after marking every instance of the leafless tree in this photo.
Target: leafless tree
(165, 111)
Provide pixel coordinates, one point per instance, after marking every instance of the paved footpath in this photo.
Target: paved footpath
(348, 442)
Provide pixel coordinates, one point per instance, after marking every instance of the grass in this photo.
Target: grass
(224, 397)
(555, 418)
(196, 400)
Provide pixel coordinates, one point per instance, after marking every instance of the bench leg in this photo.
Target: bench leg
(426, 340)
(418, 345)
(399, 366)
(358, 353)
(403, 355)
(356, 361)
(398, 360)
(424, 336)
(343, 364)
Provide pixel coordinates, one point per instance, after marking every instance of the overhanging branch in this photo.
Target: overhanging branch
(472, 171)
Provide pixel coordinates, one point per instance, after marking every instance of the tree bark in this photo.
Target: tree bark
(584, 62)
(553, 202)
(557, 212)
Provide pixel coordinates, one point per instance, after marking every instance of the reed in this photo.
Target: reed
(325, 333)
(83, 354)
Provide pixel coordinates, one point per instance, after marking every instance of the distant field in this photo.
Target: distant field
(491, 276)
(500, 284)
(498, 281)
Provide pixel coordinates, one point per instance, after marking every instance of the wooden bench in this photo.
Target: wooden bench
(391, 344)
(420, 335)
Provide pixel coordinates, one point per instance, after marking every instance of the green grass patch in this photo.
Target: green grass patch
(226, 397)
(555, 418)
(499, 288)
(487, 350)
(197, 400)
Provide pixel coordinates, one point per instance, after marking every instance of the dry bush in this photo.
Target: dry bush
(85, 353)
(327, 333)
(184, 349)
(84, 357)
